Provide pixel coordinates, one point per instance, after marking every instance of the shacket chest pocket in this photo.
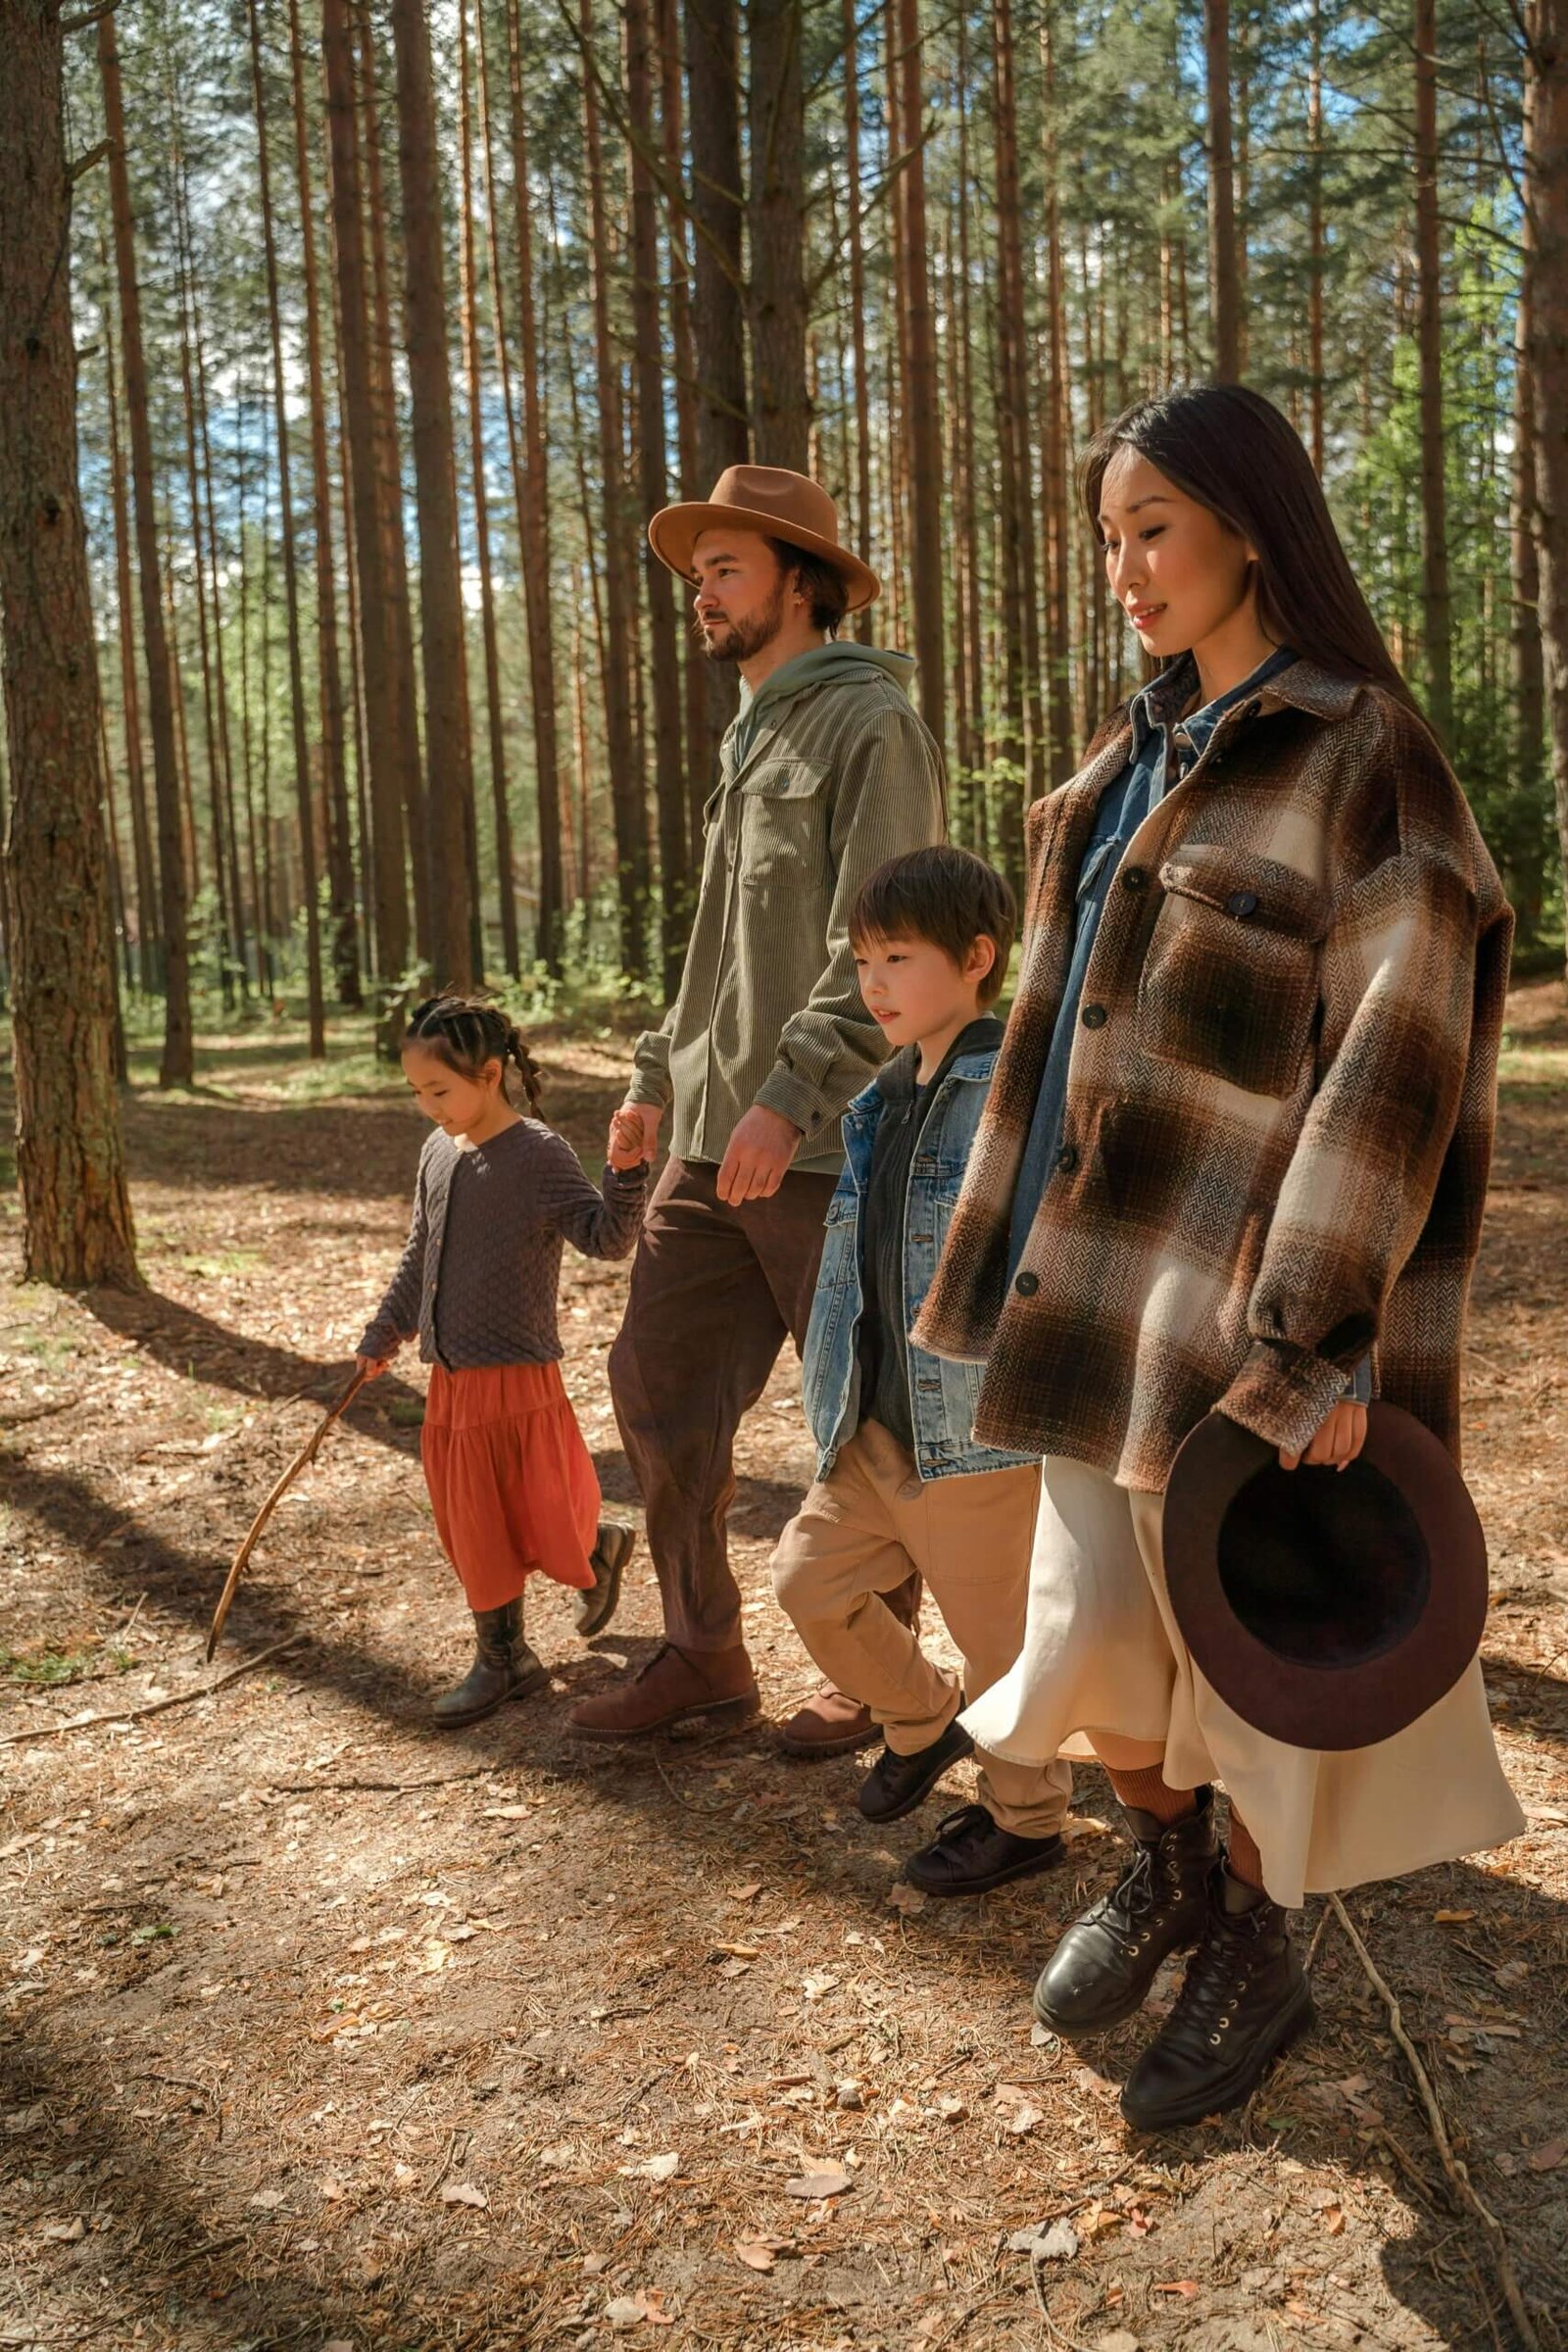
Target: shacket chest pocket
(783, 828)
(1230, 981)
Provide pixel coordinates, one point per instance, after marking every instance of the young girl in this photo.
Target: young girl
(509, 1477)
(1234, 1157)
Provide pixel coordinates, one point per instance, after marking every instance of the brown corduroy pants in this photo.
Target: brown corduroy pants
(715, 1292)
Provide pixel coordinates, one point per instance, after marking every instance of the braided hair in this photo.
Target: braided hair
(467, 1032)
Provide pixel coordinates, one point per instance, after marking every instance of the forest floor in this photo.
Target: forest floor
(318, 2030)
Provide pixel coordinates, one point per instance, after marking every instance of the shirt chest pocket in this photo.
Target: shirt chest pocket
(783, 825)
(1230, 981)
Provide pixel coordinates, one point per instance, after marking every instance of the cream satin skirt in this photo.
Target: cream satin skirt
(1102, 1653)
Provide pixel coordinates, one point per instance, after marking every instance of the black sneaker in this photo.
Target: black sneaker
(896, 1784)
(1102, 1969)
(1245, 2001)
(969, 1856)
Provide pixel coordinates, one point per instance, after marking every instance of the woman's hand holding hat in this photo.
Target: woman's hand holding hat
(1335, 1442)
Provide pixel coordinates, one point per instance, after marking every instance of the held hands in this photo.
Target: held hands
(1338, 1442)
(633, 1134)
(759, 1157)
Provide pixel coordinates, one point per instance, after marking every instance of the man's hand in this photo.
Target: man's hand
(759, 1157)
(627, 1148)
(1339, 1439)
(646, 1116)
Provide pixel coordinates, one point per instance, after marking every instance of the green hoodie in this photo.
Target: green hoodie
(826, 772)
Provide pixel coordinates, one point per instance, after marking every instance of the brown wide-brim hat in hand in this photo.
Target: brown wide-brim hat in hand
(1330, 1608)
(775, 502)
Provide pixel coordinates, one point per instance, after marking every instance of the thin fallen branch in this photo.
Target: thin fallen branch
(1057, 2334)
(1452, 2164)
(447, 1779)
(156, 1706)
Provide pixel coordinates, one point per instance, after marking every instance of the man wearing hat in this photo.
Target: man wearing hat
(826, 772)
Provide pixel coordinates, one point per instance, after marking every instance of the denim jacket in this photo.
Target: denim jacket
(943, 1395)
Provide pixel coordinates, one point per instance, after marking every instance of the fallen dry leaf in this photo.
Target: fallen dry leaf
(816, 1983)
(653, 2168)
(464, 2193)
(906, 1898)
(1187, 2287)
(757, 2253)
(69, 2231)
(1452, 1919)
(1547, 2159)
(1016, 2109)
(819, 2185)
(1333, 2220)
(746, 1894)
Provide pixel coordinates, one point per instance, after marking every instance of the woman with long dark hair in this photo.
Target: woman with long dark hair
(1234, 1160)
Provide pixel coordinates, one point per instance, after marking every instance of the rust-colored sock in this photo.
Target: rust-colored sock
(1147, 1793)
(1242, 1854)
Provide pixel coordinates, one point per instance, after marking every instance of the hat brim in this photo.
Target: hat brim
(675, 532)
(1327, 1704)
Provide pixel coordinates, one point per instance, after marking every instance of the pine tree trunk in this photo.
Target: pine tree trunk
(390, 488)
(857, 247)
(1021, 743)
(1526, 865)
(776, 123)
(448, 749)
(718, 309)
(226, 733)
(76, 1209)
(1317, 255)
(383, 734)
(177, 1065)
(1436, 601)
(1054, 453)
(506, 876)
(148, 960)
(305, 813)
(666, 26)
(926, 436)
(345, 945)
(531, 480)
(1547, 195)
(669, 782)
(628, 798)
(1224, 271)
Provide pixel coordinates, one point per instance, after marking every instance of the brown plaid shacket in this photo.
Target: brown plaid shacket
(1280, 1104)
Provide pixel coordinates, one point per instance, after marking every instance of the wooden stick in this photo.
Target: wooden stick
(1452, 2164)
(305, 1456)
(156, 1706)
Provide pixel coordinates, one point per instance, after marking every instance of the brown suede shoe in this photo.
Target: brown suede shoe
(674, 1685)
(830, 1724)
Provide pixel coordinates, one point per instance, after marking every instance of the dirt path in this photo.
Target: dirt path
(316, 2029)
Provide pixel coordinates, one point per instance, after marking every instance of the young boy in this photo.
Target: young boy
(900, 1484)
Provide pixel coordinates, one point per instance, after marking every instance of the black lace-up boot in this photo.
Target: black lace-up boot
(503, 1667)
(1246, 1999)
(1101, 1971)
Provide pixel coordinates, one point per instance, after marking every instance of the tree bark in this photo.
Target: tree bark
(776, 124)
(385, 749)
(148, 961)
(926, 436)
(666, 24)
(390, 487)
(718, 306)
(345, 945)
(669, 783)
(625, 777)
(76, 1223)
(506, 876)
(1317, 257)
(1056, 502)
(305, 814)
(178, 1064)
(1021, 737)
(1527, 862)
(1437, 611)
(531, 478)
(1546, 196)
(1224, 269)
(448, 748)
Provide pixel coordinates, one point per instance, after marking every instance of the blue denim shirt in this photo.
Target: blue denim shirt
(1165, 747)
(943, 1395)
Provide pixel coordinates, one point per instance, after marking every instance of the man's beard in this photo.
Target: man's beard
(741, 639)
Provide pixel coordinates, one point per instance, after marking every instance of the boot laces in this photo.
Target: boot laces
(1217, 1976)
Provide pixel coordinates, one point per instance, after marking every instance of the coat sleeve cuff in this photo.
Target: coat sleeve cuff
(1283, 1394)
(794, 1099)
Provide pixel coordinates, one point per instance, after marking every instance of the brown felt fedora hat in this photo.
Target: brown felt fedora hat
(772, 500)
(1330, 1608)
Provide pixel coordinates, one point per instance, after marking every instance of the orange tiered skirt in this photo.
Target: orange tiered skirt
(510, 1480)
